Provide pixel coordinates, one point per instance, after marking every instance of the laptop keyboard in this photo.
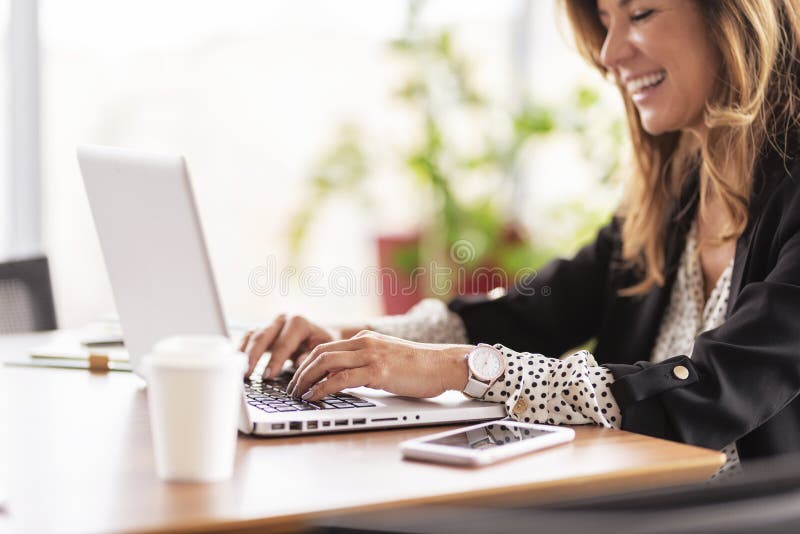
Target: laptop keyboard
(271, 396)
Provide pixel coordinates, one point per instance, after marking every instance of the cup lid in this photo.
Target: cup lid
(195, 352)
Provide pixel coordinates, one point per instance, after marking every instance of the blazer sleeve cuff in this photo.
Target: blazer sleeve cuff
(481, 323)
(643, 380)
(638, 388)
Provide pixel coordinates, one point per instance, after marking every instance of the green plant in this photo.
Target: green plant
(440, 84)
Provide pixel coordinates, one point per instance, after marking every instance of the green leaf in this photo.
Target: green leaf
(406, 258)
(402, 45)
(534, 121)
(586, 97)
(444, 44)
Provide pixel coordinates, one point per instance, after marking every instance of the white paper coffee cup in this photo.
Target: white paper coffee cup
(194, 395)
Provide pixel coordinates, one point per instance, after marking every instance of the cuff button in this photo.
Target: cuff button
(520, 407)
(680, 372)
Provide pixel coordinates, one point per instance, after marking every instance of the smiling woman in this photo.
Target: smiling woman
(691, 292)
(664, 60)
(729, 87)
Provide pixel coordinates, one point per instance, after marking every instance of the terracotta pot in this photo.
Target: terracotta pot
(489, 274)
(398, 256)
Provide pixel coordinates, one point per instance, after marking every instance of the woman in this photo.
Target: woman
(692, 291)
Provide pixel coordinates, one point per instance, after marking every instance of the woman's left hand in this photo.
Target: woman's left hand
(381, 362)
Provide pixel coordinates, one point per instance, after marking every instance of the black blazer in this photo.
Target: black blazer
(744, 377)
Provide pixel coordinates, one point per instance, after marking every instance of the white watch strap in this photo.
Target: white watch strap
(475, 388)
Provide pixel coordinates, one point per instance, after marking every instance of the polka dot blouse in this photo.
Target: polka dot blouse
(574, 390)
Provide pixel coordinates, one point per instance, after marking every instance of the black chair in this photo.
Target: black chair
(765, 499)
(26, 296)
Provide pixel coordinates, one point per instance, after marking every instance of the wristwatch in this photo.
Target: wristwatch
(486, 364)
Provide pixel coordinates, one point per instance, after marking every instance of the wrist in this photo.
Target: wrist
(456, 372)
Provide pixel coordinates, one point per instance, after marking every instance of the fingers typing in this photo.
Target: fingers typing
(295, 331)
(323, 365)
(258, 342)
(332, 346)
(346, 378)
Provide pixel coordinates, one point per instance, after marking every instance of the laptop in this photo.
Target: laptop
(161, 278)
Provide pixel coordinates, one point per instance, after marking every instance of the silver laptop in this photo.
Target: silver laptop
(161, 278)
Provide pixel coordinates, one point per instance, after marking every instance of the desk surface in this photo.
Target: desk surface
(78, 458)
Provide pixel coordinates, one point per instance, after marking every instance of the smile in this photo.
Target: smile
(645, 82)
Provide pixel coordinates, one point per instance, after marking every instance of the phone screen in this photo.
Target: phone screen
(489, 436)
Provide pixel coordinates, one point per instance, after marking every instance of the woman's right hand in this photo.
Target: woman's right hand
(292, 337)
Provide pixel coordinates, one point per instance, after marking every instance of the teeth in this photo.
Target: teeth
(634, 86)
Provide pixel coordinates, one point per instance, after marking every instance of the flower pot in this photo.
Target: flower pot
(399, 282)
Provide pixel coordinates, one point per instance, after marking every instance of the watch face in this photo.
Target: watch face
(486, 363)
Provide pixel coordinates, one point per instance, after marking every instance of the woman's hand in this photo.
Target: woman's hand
(286, 337)
(381, 362)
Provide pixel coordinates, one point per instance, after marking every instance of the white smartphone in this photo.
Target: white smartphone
(485, 443)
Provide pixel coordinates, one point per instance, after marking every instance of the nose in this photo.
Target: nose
(617, 47)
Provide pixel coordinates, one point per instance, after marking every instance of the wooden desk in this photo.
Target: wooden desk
(78, 458)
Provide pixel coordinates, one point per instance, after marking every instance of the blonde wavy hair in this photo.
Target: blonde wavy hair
(755, 102)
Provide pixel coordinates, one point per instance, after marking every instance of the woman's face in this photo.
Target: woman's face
(661, 53)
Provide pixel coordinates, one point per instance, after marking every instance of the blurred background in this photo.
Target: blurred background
(327, 141)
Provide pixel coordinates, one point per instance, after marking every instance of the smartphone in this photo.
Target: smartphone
(485, 443)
